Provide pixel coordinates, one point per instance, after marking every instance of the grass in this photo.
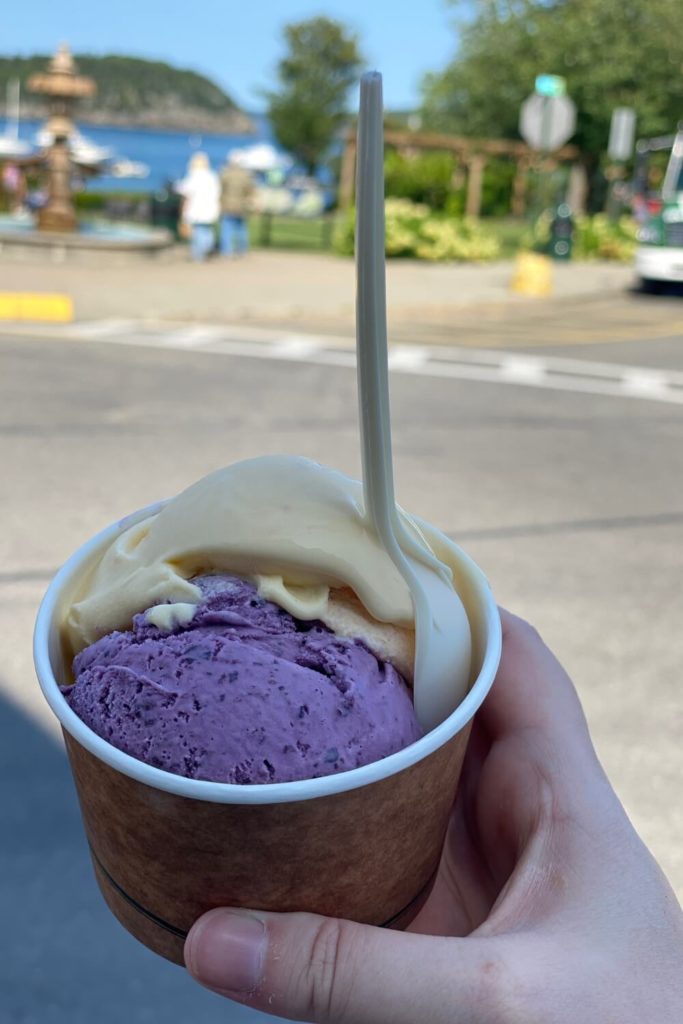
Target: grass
(509, 233)
(314, 234)
(304, 235)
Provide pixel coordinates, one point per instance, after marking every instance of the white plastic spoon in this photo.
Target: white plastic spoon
(442, 656)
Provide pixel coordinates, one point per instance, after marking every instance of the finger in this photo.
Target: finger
(327, 971)
(533, 709)
(532, 690)
(464, 890)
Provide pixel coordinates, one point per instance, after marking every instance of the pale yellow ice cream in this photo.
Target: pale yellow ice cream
(294, 528)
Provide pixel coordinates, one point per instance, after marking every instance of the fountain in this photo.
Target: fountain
(63, 87)
(55, 229)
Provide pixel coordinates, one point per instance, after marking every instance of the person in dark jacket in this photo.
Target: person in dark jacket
(237, 191)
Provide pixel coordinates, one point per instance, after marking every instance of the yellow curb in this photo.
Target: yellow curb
(40, 306)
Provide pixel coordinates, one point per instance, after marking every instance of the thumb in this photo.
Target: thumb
(328, 971)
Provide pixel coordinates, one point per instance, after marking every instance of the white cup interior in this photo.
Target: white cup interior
(52, 672)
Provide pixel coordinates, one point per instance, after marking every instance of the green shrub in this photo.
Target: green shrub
(537, 236)
(496, 191)
(412, 229)
(596, 237)
(344, 233)
(455, 204)
(463, 240)
(96, 201)
(90, 202)
(599, 238)
(423, 178)
(439, 180)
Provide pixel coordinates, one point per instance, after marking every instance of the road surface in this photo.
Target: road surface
(553, 454)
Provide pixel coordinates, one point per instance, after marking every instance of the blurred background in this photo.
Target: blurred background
(177, 292)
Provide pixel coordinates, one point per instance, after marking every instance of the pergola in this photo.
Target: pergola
(473, 153)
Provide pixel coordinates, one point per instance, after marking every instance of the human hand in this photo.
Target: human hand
(547, 906)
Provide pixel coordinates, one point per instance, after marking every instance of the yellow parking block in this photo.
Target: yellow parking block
(44, 306)
(533, 275)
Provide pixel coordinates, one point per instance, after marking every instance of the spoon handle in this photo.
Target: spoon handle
(436, 645)
(371, 313)
(371, 333)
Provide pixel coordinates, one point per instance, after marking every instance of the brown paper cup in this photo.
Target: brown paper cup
(363, 844)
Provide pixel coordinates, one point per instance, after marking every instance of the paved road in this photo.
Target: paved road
(571, 501)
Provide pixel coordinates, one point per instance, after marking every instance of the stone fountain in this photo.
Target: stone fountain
(55, 230)
(63, 87)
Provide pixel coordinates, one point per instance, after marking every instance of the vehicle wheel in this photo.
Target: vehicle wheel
(651, 286)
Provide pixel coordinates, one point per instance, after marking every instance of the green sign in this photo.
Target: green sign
(550, 85)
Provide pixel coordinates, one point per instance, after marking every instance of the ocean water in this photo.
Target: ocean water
(165, 153)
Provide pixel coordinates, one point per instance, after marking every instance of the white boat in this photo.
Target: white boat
(11, 147)
(124, 168)
(10, 143)
(262, 157)
(83, 150)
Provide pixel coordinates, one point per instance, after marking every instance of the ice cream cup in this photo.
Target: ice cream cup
(363, 844)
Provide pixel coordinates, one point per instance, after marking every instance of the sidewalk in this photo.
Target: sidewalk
(283, 287)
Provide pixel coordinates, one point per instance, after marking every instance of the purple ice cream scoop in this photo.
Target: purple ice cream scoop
(243, 693)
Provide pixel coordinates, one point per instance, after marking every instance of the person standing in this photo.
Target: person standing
(14, 185)
(237, 192)
(201, 191)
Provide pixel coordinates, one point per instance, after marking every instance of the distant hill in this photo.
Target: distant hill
(135, 92)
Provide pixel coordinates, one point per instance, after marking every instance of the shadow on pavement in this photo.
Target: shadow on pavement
(65, 959)
(672, 289)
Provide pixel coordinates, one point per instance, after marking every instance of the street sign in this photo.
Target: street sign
(621, 134)
(547, 122)
(550, 85)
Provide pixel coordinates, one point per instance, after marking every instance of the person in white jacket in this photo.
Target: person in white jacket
(201, 193)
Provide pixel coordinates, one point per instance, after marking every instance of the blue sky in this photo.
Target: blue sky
(238, 43)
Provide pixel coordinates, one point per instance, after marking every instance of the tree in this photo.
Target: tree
(322, 63)
(612, 53)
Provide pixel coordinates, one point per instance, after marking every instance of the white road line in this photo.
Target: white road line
(531, 376)
(101, 330)
(295, 347)
(523, 369)
(192, 336)
(644, 382)
(492, 374)
(406, 357)
(318, 356)
(247, 332)
(484, 365)
(620, 370)
(552, 364)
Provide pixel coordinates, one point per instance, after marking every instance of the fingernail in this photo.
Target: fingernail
(227, 950)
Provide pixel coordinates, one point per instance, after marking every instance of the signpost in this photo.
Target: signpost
(621, 134)
(547, 120)
(619, 149)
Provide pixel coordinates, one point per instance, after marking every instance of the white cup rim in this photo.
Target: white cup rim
(260, 793)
